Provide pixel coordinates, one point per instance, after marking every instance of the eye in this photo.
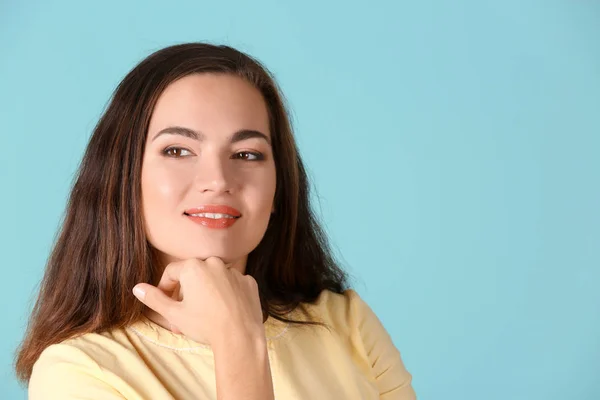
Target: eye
(175, 152)
(249, 156)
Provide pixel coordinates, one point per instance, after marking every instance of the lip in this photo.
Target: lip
(216, 208)
(220, 223)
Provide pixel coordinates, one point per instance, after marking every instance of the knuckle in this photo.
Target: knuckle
(250, 280)
(213, 261)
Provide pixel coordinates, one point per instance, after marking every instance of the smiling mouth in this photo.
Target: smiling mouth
(213, 220)
(212, 215)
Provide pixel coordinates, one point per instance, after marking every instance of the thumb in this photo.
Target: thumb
(155, 299)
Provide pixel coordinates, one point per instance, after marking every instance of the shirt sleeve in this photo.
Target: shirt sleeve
(392, 379)
(65, 372)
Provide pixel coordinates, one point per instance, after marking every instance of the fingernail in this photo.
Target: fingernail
(139, 292)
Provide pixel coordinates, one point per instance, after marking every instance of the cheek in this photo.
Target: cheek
(263, 193)
(161, 189)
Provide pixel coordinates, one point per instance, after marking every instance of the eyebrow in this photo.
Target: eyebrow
(238, 136)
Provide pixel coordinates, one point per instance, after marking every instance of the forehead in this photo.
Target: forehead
(211, 103)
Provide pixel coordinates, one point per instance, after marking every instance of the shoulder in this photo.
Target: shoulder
(370, 342)
(344, 311)
(59, 355)
(65, 369)
(349, 315)
(85, 349)
(330, 300)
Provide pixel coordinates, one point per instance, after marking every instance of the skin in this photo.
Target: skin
(207, 171)
(204, 292)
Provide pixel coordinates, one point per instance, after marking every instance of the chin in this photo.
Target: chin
(226, 256)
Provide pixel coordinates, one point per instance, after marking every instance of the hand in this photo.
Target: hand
(210, 301)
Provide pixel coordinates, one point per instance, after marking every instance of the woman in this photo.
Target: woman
(190, 265)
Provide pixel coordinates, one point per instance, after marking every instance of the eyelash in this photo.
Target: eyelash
(259, 156)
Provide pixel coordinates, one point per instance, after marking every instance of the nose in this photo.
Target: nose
(214, 175)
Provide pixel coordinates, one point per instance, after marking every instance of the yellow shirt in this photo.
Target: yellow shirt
(355, 359)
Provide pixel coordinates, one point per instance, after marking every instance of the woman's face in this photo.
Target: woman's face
(208, 144)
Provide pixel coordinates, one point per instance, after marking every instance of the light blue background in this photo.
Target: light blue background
(455, 147)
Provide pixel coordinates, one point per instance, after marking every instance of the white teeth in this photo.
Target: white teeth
(212, 215)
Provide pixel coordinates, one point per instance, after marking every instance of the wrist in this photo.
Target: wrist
(241, 340)
(242, 367)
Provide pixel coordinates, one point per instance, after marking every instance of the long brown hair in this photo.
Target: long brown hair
(101, 251)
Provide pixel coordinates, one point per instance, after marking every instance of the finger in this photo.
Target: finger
(155, 299)
(176, 295)
(169, 281)
(250, 280)
(214, 261)
(174, 329)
